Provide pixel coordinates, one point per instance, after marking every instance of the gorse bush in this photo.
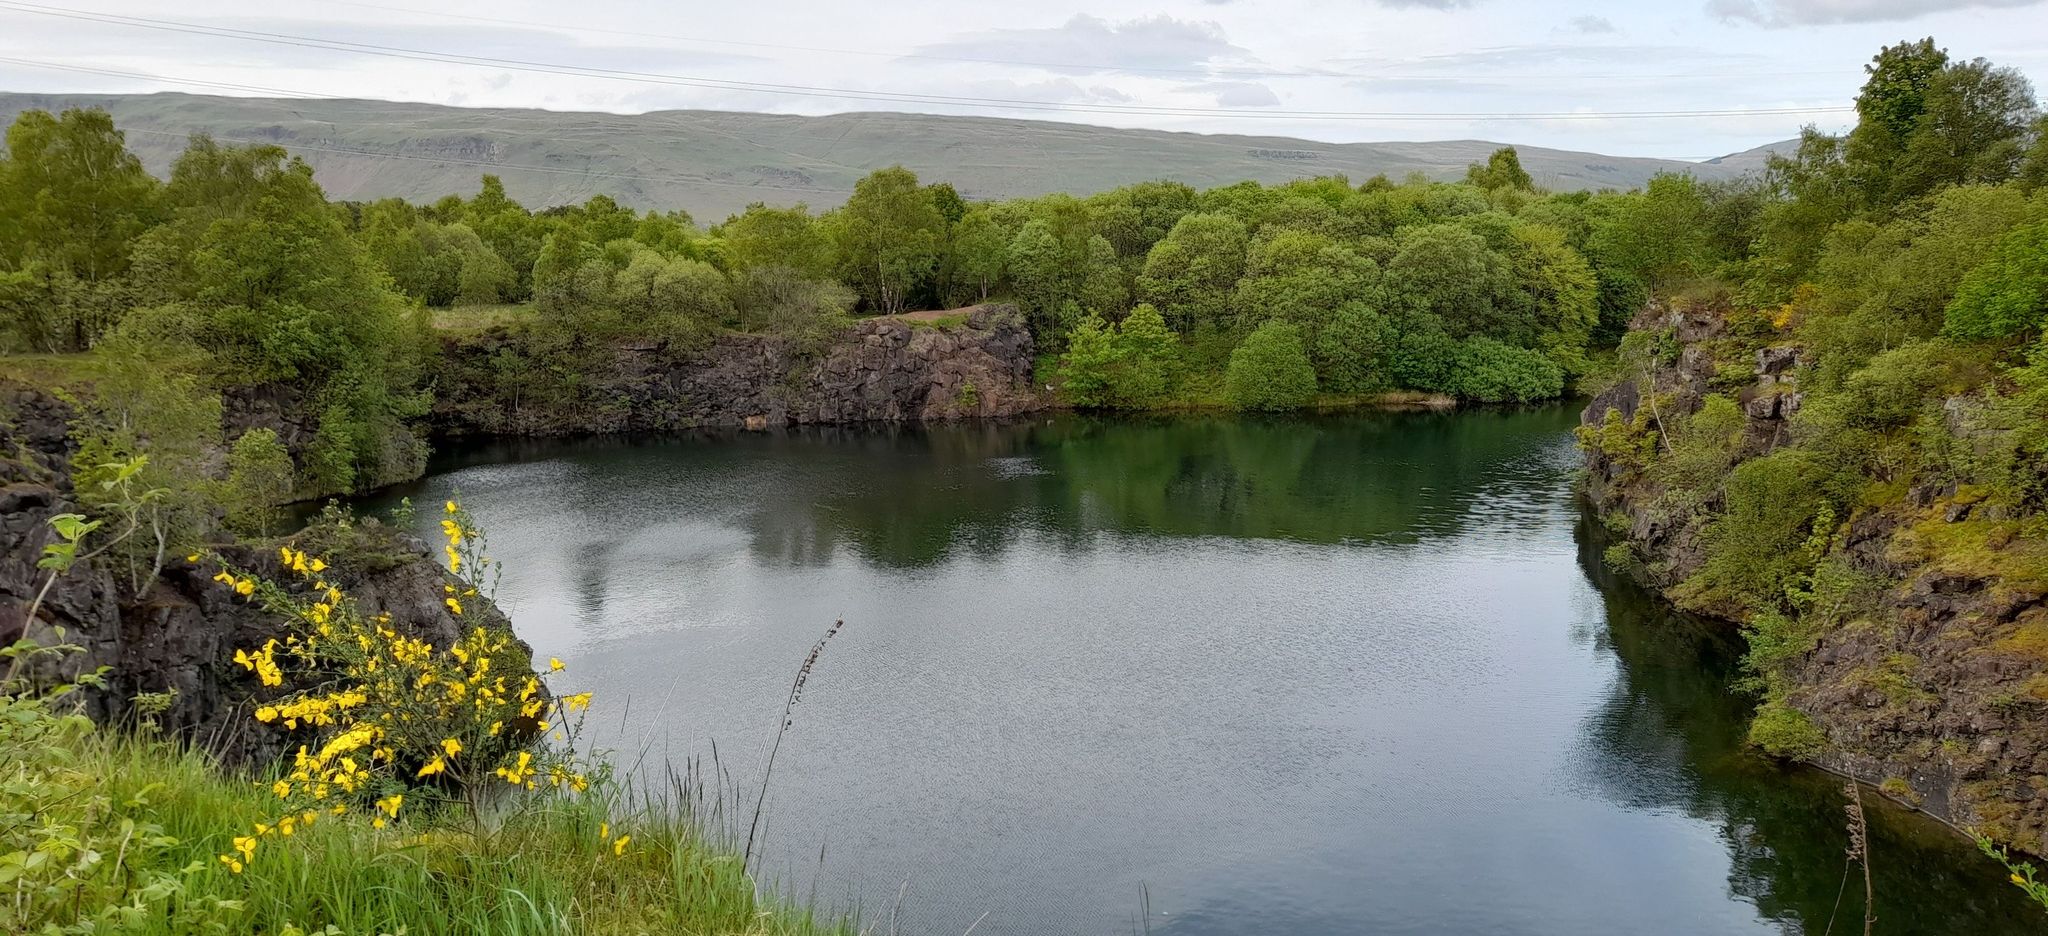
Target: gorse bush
(404, 811)
(392, 716)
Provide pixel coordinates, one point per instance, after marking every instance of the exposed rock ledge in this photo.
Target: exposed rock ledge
(879, 370)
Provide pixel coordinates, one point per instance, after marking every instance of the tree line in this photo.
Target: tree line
(1149, 295)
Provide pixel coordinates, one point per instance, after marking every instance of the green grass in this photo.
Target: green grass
(470, 320)
(47, 370)
(544, 865)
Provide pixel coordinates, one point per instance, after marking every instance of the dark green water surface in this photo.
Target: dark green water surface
(1347, 674)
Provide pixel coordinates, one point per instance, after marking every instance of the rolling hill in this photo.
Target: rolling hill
(713, 163)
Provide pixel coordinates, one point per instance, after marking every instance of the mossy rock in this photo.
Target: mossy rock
(1783, 731)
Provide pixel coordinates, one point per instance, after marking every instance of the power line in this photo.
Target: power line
(892, 97)
(1209, 72)
(145, 76)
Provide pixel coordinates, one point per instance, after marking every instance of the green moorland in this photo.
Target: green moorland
(1909, 259)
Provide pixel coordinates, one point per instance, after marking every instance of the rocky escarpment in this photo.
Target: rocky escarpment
(879, 370)
(1936, 687)
(178, 631)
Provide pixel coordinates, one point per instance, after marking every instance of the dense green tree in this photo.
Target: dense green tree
(761, 237)
(1270, 370)
(1493, 371)
(255, 268)
(259, 479)
(1136, 217)
(1659, 235)
(72, 202)
(1050, 262)
(1890, 106)
(979, 256)
(1191, 273)
(1561, 296)
(673, 297)
(71, 195)
(510, 231)
(1502, 170)
(1349, 351)
(1088, 368)
(1301, 277)
(887, 238)
(1447, 272)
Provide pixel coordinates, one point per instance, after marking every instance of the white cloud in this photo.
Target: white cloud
(1237, 93)
(1092, 44)
(1054, 91)
(1781, 13)
(1590, 24)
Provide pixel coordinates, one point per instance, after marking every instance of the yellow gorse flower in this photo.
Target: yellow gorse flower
(619, 847)
(383, 698)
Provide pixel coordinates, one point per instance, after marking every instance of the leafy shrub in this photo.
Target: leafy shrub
(259, 479)
(1494, 372)
(1764, 542)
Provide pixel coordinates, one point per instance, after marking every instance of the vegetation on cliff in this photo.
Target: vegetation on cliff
(1836, 436)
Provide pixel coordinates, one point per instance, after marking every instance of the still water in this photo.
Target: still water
(1350, 674)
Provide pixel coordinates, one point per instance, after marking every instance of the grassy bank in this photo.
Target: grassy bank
(126, 831)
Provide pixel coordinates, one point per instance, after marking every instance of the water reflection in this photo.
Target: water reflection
(906, 497)
(1345, 674)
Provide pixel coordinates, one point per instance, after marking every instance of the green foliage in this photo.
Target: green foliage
(1270, 371)
(1759, 546)
(1783, 731)
(72, 202)
(1302, 277)
(2006, 296)
(2022, 874)
(1503, 170)
(259, 479)
(887, 238)
(1191, 273)
(1350, 350)
(761, 238)
(1659, 236)
(1491, 371)
(1130, 365)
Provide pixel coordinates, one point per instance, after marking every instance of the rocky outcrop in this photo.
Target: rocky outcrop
(879, 370)
(1938, 690)
(177, 634)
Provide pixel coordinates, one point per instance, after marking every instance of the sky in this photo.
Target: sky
(1572, 74)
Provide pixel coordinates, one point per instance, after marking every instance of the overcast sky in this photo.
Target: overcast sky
(1310, 68)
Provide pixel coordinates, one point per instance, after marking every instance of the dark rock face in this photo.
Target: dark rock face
(1943, 684)
(880, 370)
(179, 633)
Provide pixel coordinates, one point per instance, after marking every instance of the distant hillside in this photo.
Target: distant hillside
(713, 163)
